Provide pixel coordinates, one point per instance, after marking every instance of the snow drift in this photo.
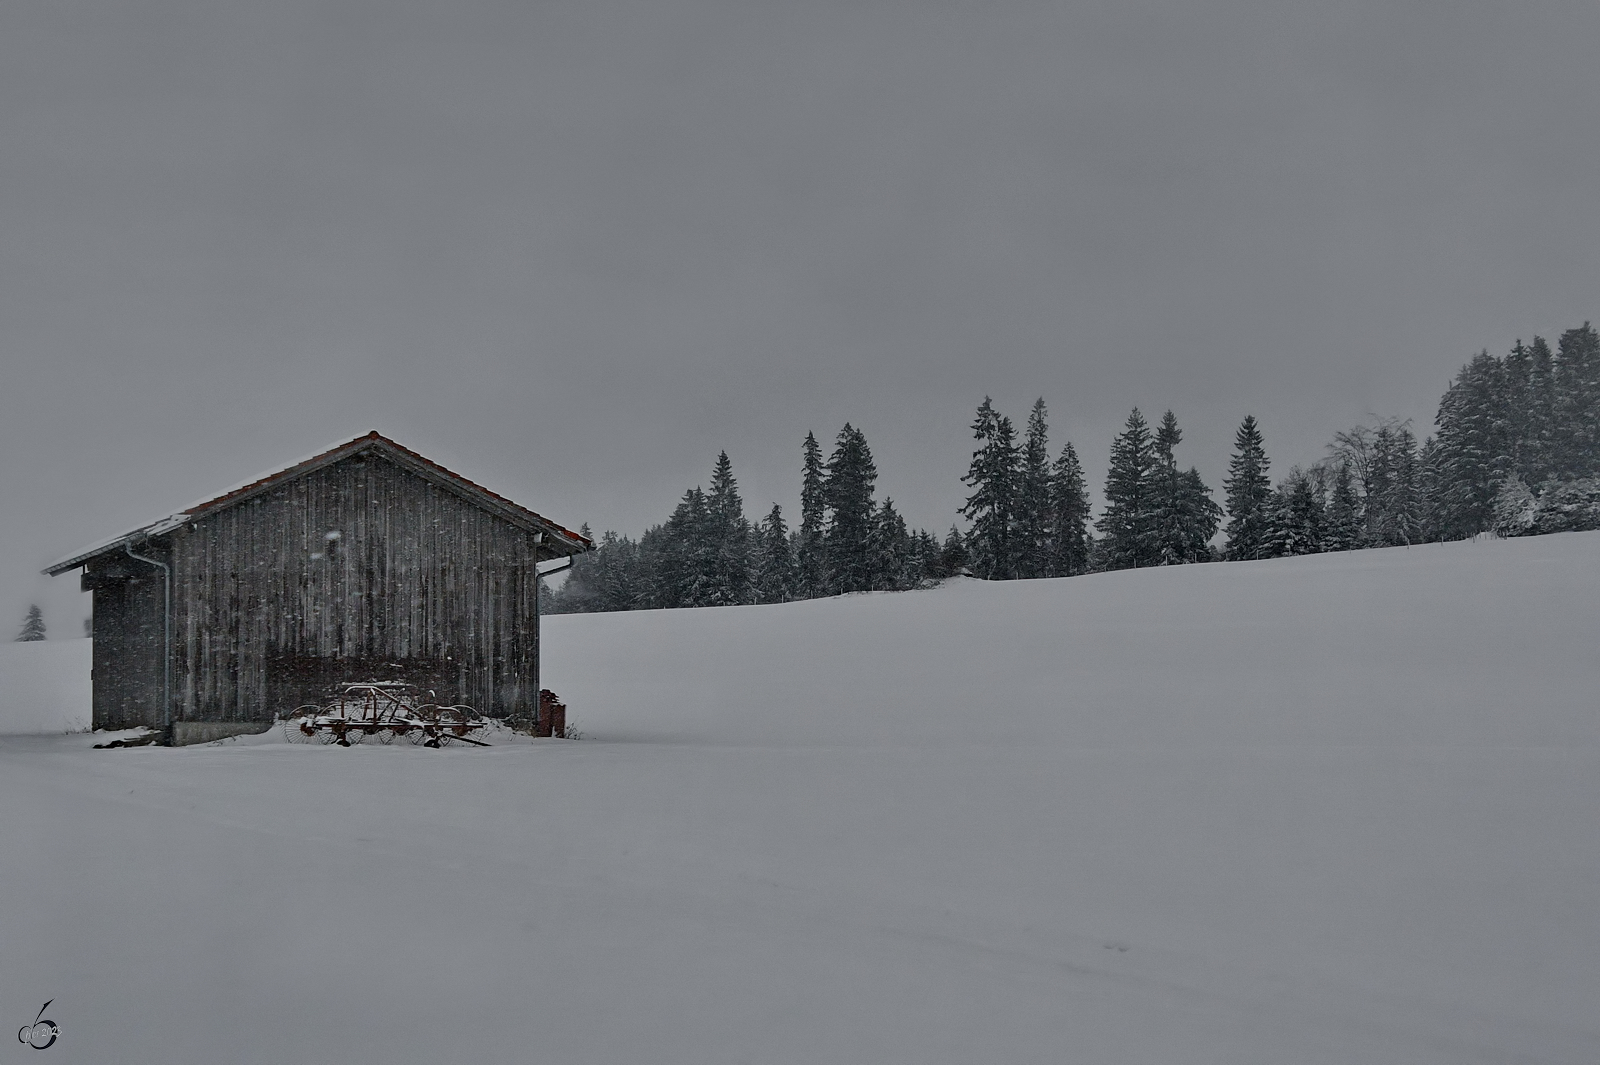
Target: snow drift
(1329, 809)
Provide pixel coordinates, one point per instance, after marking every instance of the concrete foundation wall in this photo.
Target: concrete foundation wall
(185, 733)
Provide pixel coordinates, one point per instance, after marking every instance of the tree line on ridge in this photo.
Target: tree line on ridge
(1516, 452)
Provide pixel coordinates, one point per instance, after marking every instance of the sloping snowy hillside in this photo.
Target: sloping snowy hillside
(1331, 809)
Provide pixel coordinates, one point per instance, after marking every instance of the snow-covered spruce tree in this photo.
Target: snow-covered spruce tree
(577, 594)
(1474, 449)
(697, 549)
(777, 573)
(1430, 491)
(1526, 385)
(1199, 518)
(1577, 402)
(954, 559)
(606, 578)
(1399, 510)
(926, 558)
(655, 561)
(810, 549)
(681, 556)
(1383, 459)
(847, 493)
(650, 581)
(1342, 523)
(1161, 494)
(992, 507)
(1409, 499)
(1127, 524)
(1099, 556)
(729, 579)
(1514, 508)
(32, 626)
(1535, 438)
(1034, 548)
(1183, 516)
(618, 577)
(550, 599)
(1537, 451)
(1295, 516)
(1069, 516)
(888, 547)
(1515, 371)
(1248, 490)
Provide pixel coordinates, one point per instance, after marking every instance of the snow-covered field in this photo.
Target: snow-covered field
(44, 686)
(1334, 809)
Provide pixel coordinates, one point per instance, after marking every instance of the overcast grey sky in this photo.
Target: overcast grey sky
(572, 250)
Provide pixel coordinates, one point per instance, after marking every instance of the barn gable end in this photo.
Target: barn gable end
(366, 562)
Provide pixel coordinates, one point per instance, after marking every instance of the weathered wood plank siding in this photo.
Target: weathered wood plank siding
(126, 651)
(358, 570)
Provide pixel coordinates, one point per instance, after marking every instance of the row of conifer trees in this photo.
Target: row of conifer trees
(1517, 452)
(707, 553)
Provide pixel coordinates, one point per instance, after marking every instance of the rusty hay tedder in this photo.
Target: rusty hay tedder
(384, 711)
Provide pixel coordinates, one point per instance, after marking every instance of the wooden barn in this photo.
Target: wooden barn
(365, 562)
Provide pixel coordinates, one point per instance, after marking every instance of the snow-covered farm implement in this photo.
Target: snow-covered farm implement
(383, 710)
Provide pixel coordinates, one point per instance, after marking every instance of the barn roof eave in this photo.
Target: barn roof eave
(115, 543)
(559, 543)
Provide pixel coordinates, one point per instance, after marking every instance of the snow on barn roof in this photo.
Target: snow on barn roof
(566, 542)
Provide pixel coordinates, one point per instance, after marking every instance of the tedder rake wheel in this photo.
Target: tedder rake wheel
(299, 726)
(460, 720)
